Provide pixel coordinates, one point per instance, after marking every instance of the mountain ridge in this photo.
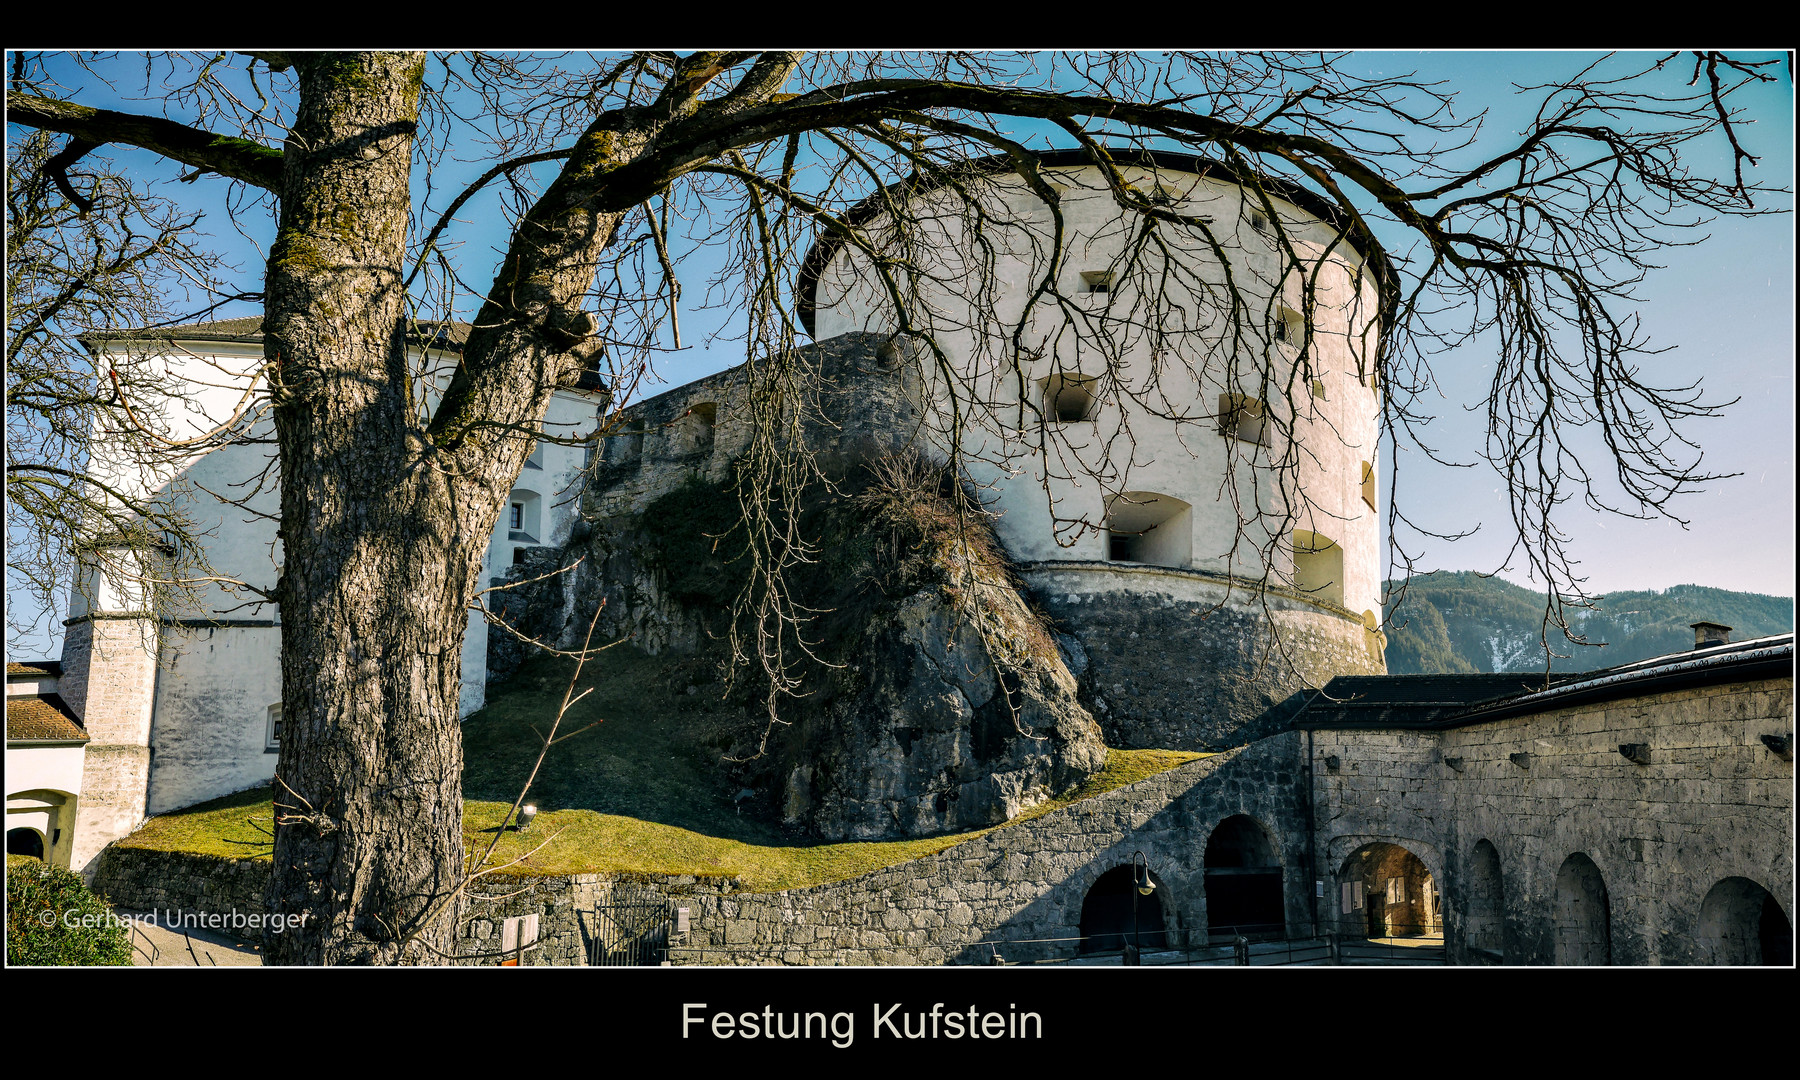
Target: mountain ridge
(1451, 621)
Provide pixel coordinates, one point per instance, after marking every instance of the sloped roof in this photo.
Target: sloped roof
(52, 668)
(1409, 701)
(1446, 701)
(448, 335)
(43, 718)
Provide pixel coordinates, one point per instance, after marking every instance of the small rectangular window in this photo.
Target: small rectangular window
(517, 520)
(272, 735)
(1097, 281)
(1243, 418)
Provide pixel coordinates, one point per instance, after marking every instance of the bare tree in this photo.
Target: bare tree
(88, 251)
(615, 171)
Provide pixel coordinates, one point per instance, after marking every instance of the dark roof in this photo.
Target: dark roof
(34, 667)
(42, 718)
(448, 335)
(1137, 157)
(1445, 701)
(1410, 701)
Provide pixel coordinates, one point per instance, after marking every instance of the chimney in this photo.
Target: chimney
(1708, 634)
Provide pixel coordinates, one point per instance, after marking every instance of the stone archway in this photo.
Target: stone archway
(1243, 881)
(1114, 914)
(1581, 914)
(1388, 892)
(1484, 922)
(1742, 923)
(27, 842)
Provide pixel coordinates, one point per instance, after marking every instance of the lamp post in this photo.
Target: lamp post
(1141, 886)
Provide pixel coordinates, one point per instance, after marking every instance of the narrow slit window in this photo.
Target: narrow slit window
(1097, 281)
(1368, 484)
(272, 734)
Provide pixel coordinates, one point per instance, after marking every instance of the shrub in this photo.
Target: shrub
(34, 889)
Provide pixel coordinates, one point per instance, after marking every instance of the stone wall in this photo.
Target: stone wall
(1014, 891)
(1183, 660)
(140, 879)
(1012, 888)
(1712, 803)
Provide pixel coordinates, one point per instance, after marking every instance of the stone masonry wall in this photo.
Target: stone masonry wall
(1019, 883)
(1712, 803)
(1182, 660)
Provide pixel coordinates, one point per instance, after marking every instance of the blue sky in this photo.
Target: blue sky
(1725, 308)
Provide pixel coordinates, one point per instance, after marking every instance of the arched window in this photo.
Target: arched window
(1484, 925)
(1581, 914)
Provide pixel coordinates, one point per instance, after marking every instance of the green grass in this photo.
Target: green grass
(640, 791)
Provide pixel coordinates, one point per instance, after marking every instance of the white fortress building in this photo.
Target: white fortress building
(1175, 420)
(180, 704)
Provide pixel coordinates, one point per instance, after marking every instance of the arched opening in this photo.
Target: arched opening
(1243, 881)
(1581, 914)
(1742, 923)
(1484, 924)
(27, 842)
(1386, 892)
(1144, 527)
(1115, 914)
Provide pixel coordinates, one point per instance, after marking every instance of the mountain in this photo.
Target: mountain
(1462, 621)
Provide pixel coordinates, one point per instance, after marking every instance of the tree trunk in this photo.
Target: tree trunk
(378, 571)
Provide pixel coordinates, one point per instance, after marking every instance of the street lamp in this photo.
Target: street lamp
(1142, 886)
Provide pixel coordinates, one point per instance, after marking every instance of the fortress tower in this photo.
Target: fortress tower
(1175, 418)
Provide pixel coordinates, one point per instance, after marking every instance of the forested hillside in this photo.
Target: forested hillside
(1465, 622)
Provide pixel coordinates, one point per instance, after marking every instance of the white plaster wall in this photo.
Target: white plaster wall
(48, 768)
(1154, 429)
(555, 482)
(216, 683)
(211, 715)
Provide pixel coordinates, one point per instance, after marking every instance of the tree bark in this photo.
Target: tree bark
(377, 575)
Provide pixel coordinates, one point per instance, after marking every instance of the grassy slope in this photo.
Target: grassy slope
(640, 791)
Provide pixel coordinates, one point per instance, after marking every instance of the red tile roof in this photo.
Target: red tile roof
(45, 717)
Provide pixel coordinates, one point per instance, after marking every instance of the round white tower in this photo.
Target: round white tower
(1166, 382)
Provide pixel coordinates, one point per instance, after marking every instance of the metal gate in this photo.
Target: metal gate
(631, 932)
